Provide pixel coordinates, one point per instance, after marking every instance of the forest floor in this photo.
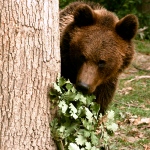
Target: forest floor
(132, 103)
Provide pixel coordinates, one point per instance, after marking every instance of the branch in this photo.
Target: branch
(138, 68)
(137, 78)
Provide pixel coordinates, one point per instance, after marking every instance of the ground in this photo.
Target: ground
(132, 103)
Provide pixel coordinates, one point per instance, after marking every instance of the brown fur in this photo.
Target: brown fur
(95, 48)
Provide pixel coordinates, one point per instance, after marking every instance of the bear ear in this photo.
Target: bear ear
(127, 27)
(83, 15)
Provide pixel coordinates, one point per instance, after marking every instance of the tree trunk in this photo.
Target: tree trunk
(29, 63)
(145, 7)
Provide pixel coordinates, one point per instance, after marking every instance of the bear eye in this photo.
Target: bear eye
(82, 58)
(101, 63)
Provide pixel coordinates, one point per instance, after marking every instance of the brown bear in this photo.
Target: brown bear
(95, 48)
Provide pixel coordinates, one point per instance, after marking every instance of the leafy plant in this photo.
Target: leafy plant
(78, 125)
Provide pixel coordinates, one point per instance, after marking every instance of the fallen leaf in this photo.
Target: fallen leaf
(146, 147)
(138, 121)
(145, 120)
(125, 91)
(124, 148)
(132, 139)
(135, 133)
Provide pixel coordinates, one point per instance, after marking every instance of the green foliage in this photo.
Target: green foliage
(63, 3)
(77, 125)
(124, 7)
(142, 46)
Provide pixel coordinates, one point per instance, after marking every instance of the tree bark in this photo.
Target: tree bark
(29, 63)
(145, 7)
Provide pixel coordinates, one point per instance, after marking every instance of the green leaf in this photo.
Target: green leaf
(89, 126)
(89, 115)
(94, 139)
(69, 86)
(57, 88)
(80, 140)
(69, 96)
(54, 123)
(61, 81)
(94, 148)
(63, 106)
(72, 129)
(53, 93)
(112, 127)
(94, 107)
(90, 99)
(88, 145)
(78, 96)
(74, 90)
(73, 111)
(62, 129)
(72, 108)
(83, 99)
(86, 133)
(73, 146)
(110, 115)
(80, 112)
(105, 137)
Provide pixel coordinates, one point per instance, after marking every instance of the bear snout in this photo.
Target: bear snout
(83, 87)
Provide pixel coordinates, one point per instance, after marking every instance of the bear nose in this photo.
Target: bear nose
(82, 87)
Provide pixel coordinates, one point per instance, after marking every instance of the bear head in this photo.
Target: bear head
(96, 46)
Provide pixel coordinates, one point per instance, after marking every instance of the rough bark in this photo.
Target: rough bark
(29, 63)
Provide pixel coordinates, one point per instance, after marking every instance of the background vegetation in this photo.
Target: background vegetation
(122, 8)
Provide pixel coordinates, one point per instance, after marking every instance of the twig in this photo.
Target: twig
(139, 68)
(132, 105)
(137, 78)
(142, 29)
(60, 145)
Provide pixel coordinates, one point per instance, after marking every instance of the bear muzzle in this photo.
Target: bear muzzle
(88, 78)
(83, 87)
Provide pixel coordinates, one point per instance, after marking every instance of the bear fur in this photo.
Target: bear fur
(95, 48)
